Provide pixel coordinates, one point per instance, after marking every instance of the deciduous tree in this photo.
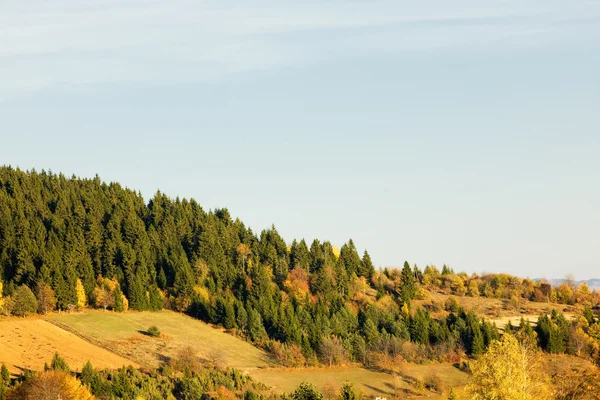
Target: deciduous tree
(508, 372)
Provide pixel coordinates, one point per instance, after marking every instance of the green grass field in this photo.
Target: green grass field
(124, 333)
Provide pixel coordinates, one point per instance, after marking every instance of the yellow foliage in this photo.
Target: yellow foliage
(51, 385)
(202, 292)
(564, 294)
(508, 372)
(81, 298)
(1, 298)
(473, 290)
(386, 303)
(125, 302)
(296, 283)
(336, 251)
(405, 309)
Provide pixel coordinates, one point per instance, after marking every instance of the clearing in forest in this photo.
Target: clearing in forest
(29, 343)
(125, 334)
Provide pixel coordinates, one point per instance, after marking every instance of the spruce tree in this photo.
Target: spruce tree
(408, 288)
(4, 376)
(58, 363)
(87, 374)
(119, 305)
(156, 301)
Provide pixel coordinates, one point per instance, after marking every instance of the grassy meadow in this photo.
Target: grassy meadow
(125, 334)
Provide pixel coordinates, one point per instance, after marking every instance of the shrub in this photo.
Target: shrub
(452, 304)
(418, 384)
(434, 382)
(154, 331)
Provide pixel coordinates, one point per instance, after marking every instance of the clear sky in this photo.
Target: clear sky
(462, 132)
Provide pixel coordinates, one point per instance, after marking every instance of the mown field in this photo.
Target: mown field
(125, 334)
(29, 343)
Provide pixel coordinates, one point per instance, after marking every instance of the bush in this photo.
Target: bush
(418, 384)
(153, 331)
(434, 382)
(452, 304)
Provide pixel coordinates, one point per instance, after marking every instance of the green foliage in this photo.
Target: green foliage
(347, 392)
(87, 374)
(156, 301)
(154, 331)
(4, 381)
(58, 363)
(119, 305)
(24, 301)
(60, 230)
(553, 332)
(408, 288)
(306, 391)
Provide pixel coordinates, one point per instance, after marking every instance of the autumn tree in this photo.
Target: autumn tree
(332, 351)
(81, 296)
(1, 297)
(508, 372)
(45, 298)
(52, 384)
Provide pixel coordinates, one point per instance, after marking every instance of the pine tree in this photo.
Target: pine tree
(118, 304)
(58, 363)
(347, 392)
(138, 300)
(366, 267)
(4, 375)
(408, 288)
(156, 301)
(256, 329)
(87, 374)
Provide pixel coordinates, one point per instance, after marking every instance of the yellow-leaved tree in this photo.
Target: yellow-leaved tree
(1, 298)
(508, 371)
(81, 297)
(52, 384)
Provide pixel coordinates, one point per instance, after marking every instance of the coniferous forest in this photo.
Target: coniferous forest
(71, 243)
(101, 244)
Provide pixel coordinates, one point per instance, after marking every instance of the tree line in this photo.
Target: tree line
(68, 243)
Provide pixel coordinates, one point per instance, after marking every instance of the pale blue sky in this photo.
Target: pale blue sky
(463, 132)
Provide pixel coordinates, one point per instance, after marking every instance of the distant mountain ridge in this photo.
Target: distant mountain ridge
(593, 284)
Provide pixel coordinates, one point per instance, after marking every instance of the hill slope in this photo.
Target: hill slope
(124, 333)
(29, 343)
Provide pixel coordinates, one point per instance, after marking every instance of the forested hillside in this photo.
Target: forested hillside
(70, 243)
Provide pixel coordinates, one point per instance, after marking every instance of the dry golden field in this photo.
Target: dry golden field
(29, 343)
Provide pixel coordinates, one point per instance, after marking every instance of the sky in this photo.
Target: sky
(463, 132)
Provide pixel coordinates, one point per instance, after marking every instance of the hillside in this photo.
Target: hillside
(294, 311)
(125, 334)
(29, 343)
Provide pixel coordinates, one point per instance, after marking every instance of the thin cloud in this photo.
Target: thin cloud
(69, 42)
